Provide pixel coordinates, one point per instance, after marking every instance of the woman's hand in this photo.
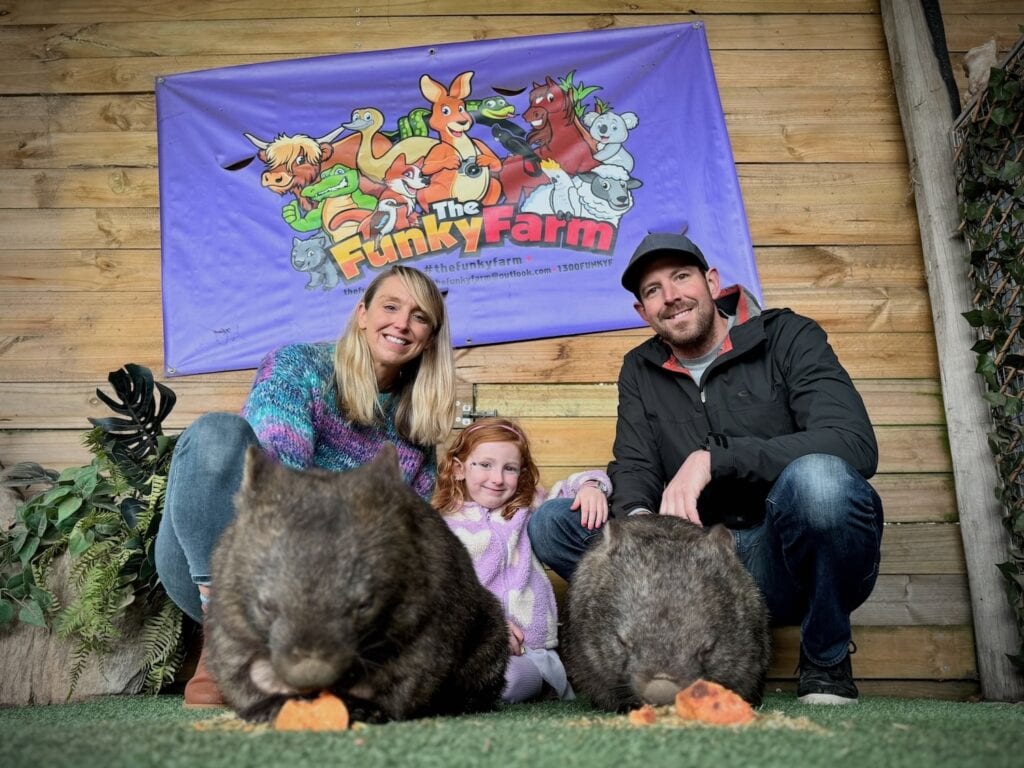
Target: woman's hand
(593, 506)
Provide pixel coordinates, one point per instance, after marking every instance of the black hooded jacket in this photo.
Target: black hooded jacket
(776, 392)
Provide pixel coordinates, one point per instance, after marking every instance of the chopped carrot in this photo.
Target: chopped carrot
(324, 713)
(710, 702)
(645, 715)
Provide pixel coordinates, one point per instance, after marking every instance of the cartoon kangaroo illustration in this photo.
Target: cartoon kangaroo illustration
(459, 167)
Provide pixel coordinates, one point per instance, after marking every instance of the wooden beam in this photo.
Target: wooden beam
(924, 110)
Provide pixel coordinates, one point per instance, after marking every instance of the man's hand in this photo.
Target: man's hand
(682, 491)
(593, 507)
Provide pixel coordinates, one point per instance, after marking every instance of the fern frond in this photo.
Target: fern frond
(154, 503)
(88, 560)
(97, 441)
(165, 651)
(41, 569)
(79, 660)
(91, 615)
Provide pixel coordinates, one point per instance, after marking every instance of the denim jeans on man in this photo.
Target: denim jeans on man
(205, 473)
(815, 556)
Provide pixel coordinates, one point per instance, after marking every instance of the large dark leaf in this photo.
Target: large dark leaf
(28, 473)
(137, 432)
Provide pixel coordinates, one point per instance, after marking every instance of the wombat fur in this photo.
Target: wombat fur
(349, 582)
(658, 602)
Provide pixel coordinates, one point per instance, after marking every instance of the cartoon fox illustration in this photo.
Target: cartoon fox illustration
(403, 181)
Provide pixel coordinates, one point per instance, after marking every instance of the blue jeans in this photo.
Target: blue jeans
(205, 473)
(815, 556)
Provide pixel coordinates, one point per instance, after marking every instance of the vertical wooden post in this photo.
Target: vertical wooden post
(927, 123)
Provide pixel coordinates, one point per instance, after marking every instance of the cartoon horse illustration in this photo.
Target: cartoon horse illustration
(557, 134)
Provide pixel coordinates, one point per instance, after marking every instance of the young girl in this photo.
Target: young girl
(486, 491)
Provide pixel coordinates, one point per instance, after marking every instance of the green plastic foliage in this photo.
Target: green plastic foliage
(105, 516)
(990, 169)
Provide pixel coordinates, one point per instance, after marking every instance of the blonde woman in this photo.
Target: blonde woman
(389, 378)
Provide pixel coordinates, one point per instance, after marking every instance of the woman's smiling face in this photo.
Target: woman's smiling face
(396, 329)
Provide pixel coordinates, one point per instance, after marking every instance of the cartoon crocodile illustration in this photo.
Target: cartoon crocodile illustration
(341, 205)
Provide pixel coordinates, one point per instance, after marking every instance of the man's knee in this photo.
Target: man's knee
(548, 523)
(820, 490)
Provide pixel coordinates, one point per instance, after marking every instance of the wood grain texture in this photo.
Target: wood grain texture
(889, 402)
(338, 34)
(924, 110)
(136, 74)
(29, 12)
(892, 652)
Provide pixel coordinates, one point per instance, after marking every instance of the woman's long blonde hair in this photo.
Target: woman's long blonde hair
(449, 493)
(425, 387)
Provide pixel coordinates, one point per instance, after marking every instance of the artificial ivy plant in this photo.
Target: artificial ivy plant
(105, 516)
(990, 170)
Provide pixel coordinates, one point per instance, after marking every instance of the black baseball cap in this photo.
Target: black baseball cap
(658, 244)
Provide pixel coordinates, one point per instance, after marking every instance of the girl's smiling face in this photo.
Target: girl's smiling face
(491, 473)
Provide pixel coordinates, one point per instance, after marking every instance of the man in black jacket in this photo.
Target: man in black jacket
(737, 416)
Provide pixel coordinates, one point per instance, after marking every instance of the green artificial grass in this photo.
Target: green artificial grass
(875, 733)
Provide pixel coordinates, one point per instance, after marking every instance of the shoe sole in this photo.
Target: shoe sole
(191, 705)
(825, 698)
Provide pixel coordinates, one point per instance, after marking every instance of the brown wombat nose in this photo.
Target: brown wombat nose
(308, 673)
(660, 691)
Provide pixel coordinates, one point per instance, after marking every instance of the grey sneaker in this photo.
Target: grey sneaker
(826, 685)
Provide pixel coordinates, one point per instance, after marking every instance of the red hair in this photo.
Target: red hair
(449, 493)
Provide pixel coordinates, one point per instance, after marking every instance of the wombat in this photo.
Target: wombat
(348, 582)
(658, 602)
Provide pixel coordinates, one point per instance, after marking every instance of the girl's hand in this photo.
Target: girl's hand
(593, 506)
(515, 639)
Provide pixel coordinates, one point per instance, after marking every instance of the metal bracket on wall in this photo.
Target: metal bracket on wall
(464, 414)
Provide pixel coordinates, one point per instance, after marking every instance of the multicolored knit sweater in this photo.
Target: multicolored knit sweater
(293, 409)
(505, 563)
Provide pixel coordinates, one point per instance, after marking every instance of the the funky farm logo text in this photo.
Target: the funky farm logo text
(454, 173)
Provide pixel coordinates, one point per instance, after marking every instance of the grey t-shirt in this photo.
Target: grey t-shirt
(698, 365)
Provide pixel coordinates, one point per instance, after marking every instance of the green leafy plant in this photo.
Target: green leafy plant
(105, 516)
(990, 170)
(578, 91)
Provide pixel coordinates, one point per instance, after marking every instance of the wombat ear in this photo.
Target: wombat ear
(386, 461)
(256, 466)
(608, 537)
(722, 536)
(707, 648)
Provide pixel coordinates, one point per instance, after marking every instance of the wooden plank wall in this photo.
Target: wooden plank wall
(815, 129)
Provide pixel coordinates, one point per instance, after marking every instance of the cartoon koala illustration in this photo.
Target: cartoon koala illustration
(610, 130)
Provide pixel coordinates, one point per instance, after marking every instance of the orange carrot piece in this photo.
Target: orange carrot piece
(324, 713)
(645, 715)
(710, 702)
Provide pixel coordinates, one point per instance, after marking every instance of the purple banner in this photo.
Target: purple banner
(518, 173)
